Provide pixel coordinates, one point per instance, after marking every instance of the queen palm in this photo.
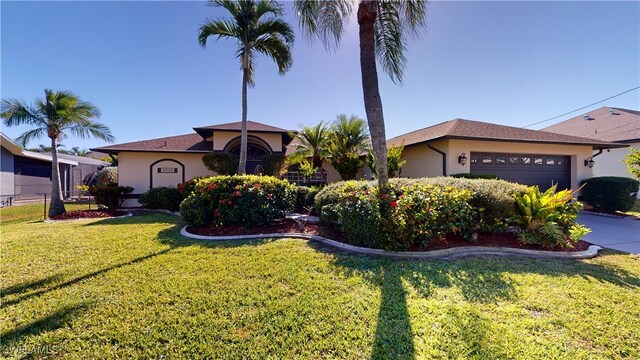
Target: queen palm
(313, 142)
(383, 26)
(60, 113)
(253, 34)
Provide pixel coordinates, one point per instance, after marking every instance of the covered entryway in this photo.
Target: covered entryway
(528, 169)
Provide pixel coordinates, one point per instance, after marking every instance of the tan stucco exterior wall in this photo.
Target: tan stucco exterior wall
(422, 161)
(221, 138)
(578, 154)
(134, 169)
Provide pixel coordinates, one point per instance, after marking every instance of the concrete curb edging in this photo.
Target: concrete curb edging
(451, 253)
(102, 218)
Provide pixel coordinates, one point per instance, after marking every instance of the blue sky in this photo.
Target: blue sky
(511, 63)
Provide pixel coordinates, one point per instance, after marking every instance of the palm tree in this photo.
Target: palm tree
(43, 148)
(348, 142)
(77, 151)
(382, 28)
(253, 34)
(58, 114)
(313, 142)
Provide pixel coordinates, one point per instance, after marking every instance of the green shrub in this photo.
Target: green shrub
(476, 176)
(305, 197)
(422, 214)
(493, 200)
(106, 176)
(249, 200)
(196, 210)
(346, 164)
(221, 163)
(275, 165)
(610, 193)
(110, 195)
(167, 198)
(188, 187)
(548, 219)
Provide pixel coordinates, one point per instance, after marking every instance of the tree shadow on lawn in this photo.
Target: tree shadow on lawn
(46, 281)
(54, 321)
(478, 279)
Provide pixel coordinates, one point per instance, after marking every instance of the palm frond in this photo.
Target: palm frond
(265, 7)
(17, 112)
(277, 50)
(390, 44)
(91, 129)
(413, 14)
(325, 19)
(275, 27)
(222, 28)
(231, 6)
(29, 135)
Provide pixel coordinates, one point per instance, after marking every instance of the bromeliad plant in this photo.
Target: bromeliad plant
(548, 218)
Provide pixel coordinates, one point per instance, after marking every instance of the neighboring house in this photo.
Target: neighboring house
(171, 160)
(605, 124)
(27, 174)
(529, 157)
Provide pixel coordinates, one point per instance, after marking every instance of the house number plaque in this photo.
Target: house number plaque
(164, 170)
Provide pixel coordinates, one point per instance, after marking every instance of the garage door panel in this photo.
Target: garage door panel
(528, 169)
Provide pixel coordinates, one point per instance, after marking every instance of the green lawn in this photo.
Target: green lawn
(133, 288)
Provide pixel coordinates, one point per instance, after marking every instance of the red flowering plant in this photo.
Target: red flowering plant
(249, 200)
(426, 213)
(397, 219)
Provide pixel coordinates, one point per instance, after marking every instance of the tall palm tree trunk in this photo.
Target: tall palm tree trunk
(57, 205)
(242, 164)
(372, 102)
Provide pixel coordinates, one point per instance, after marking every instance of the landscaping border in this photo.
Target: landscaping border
(443, 254)
(94, 218)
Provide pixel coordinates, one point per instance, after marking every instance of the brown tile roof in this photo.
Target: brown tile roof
(605, 124)
(477, 130)
(237, 126)
(179, 143)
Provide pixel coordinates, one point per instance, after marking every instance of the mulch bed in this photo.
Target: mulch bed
(88, 214)
(282, 226)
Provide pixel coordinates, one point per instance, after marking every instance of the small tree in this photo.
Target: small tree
(632, 159)
(348, 142)
(394, 160)
(58, 114)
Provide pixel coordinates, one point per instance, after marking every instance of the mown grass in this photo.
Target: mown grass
(35, 212)
(133, 288)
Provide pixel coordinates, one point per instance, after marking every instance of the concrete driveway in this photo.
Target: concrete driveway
(610, 232)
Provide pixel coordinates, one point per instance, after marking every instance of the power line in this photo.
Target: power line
(584, 107)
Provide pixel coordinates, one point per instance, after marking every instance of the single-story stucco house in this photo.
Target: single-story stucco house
(27, 174)
(530, 157)
(458, 146)
(606, 124)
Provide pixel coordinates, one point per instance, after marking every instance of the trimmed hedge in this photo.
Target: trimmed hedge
(167, 198)
(249, 200)
(610, 193)
(110, 195)
(493, 199)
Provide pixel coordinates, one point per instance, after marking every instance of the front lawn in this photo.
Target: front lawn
(132, 287)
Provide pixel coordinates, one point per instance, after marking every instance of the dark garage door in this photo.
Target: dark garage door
(528, 169)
